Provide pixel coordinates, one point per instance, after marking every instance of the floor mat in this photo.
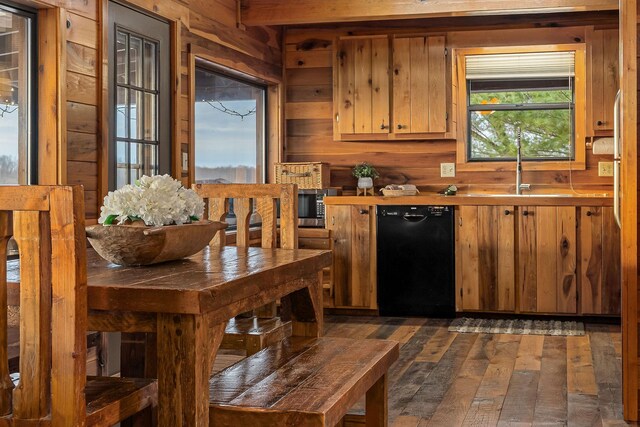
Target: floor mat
(517, 326)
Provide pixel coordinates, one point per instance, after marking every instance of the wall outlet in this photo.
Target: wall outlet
(605, 168)
(185, 162)
(447, 170)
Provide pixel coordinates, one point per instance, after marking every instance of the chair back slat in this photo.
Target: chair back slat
(6, 385)
(242, 209)
(264, 196)
(31, 396)
(266, 208)
(48, 225)
(69, 308)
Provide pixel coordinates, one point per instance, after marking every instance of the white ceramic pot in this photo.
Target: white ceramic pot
(366, 182)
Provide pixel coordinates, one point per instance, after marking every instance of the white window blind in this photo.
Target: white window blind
(520, 65)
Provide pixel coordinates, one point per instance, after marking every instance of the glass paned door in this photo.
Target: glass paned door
(140, 112)
(17, 100)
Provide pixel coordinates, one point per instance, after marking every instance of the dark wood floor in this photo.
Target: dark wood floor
(449, 379)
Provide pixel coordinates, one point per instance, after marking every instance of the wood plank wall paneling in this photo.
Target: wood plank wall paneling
(210, 25)
(309, 118)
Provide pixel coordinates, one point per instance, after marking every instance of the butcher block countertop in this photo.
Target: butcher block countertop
(477, 199)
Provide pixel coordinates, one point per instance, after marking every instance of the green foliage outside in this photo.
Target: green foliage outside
(545, 133)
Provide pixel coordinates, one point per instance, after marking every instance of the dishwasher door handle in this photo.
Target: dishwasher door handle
(414, 217)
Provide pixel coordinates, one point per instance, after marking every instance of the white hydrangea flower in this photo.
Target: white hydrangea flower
(157, 200)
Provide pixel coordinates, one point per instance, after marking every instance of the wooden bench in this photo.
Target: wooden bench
(304, 382)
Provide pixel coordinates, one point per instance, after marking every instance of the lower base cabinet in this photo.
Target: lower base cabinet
(353, 273)
(599, 261)
(537, 260)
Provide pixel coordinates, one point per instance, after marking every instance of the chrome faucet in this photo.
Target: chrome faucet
(519, 185)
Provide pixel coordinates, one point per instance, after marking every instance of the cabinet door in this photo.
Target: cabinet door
(419, 85)
(363, 85)
(485, 258)
(354, 259)
(339, 222)
(604, 78)
(599, 261)
(547, 259)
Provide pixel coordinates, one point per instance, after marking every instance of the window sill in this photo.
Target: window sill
(560, 165)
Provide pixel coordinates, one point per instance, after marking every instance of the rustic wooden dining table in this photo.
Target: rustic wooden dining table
(187, 304)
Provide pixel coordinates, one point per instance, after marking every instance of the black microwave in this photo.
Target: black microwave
(311, 206)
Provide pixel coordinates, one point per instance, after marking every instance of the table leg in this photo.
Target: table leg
(186, 348)
(305, 306)
(376, 410)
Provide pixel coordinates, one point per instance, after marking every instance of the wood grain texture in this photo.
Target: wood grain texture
(53, 318)
(304, 383)
(271, 12)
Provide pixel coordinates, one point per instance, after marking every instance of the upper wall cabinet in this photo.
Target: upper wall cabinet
(362, 102)
(419, 85)
(604, 80)
(384, 94)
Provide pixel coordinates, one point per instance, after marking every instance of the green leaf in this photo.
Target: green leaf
(109, 220)
(194, 218)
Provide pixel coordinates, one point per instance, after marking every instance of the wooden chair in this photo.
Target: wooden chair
(53, 389)
(255, 332)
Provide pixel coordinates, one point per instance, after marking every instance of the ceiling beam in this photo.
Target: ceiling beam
(299, 12)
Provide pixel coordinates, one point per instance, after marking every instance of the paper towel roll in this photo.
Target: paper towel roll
(603, 146)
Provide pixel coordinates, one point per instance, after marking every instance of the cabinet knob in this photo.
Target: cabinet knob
(364, 211)
(525, 213)
(401, 126)
(589, 213)
(507, 212)
(600, 123)
(383, 126)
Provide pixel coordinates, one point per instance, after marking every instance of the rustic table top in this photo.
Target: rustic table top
(204, 282)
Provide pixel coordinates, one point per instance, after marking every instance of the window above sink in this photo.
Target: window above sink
(535, 93)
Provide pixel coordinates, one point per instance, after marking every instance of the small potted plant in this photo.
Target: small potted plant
(365, 174)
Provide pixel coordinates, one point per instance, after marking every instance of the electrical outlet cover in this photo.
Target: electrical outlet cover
(605, 168)
(447, 170)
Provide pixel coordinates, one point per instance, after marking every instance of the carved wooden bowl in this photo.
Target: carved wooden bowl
(135, 245)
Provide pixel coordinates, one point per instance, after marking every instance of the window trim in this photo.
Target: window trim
(580, 92)
(33, 83)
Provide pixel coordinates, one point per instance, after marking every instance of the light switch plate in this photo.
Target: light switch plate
(185, 162)
(447, 170)
(605, 168)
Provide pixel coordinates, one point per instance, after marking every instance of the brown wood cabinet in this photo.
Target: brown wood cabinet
(362, 103)
(354, 255)
(547, 259)
(599, 261)
(373, 100)
(604, 80)
(485, 261)
(419, 85)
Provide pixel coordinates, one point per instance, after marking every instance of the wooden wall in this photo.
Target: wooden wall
(209, 25)
(309, 137)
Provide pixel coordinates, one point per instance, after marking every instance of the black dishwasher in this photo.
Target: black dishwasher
(415, 261)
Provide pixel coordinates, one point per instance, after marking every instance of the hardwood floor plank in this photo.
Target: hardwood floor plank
(583, 411)
(456, 402)
(405, 332)
(406, 421)
(607, 373)
(520, 402)
(551, 399)
(435, 385)
(529, 353)
(389, 326)
(437, 346)
(580, 375)
(487, 404)
(411, 349)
